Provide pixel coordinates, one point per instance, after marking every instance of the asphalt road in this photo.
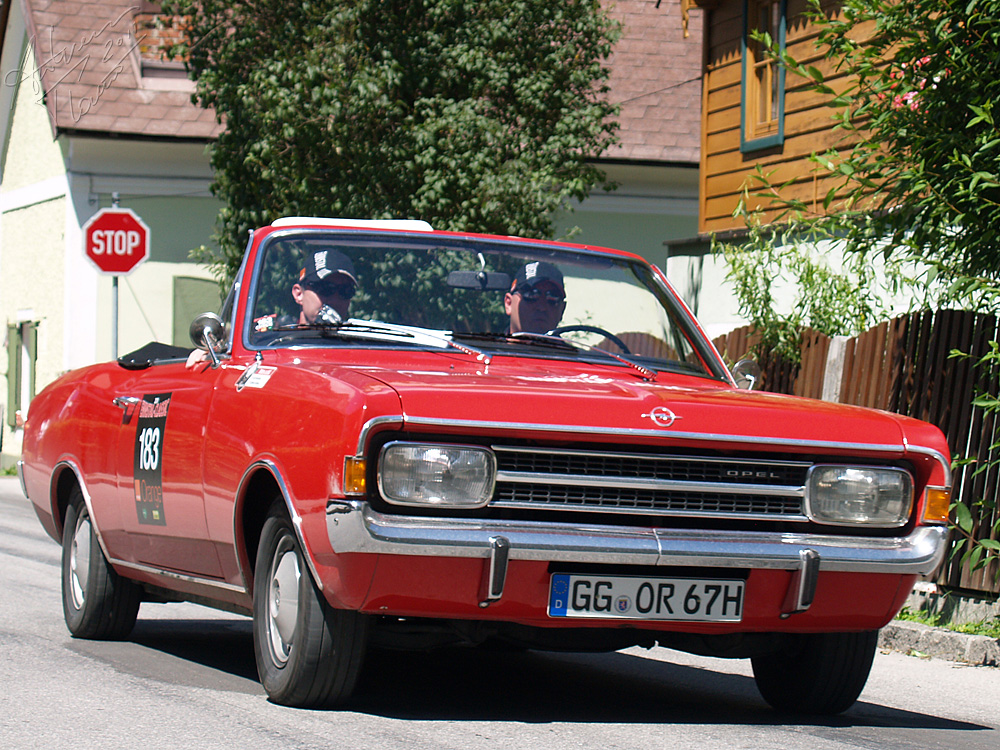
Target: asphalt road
(186, 679)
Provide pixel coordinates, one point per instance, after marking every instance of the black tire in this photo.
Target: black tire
(309, 655)
(97, 602)
(816, 673)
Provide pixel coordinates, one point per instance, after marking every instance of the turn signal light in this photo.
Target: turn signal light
(354, 476)
(937, 505)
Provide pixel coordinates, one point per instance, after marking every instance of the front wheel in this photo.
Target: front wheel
(308, 653)
(816, 673)
(97, 602)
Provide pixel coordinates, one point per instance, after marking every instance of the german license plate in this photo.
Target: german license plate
(638, 598)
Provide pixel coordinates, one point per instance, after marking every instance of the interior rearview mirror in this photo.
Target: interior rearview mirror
(482, 280)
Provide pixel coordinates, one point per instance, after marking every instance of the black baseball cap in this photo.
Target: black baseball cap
(537, 271)
(322, 264)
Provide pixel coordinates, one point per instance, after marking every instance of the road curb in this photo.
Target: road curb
(940, 643)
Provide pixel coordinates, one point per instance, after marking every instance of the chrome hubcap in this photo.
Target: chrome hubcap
(79, 561)
(283, 601)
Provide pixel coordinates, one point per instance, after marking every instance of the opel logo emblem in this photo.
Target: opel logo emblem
(662, 416)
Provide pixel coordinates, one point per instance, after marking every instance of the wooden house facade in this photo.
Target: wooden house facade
(755, 115)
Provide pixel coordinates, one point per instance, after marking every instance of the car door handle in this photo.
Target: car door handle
(124, 402)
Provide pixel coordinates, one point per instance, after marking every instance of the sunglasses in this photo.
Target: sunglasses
(534, 295)
(329, 289)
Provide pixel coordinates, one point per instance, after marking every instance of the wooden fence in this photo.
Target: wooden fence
(906, 366)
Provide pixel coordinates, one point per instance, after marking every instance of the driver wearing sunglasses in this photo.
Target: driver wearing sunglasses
(537, 298)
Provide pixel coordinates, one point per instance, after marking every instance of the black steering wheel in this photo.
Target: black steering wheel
(591, 329)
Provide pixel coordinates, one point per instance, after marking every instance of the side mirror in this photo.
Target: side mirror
(209, 333)
(746, 373)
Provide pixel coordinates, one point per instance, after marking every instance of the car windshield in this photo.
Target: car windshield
(440, 292)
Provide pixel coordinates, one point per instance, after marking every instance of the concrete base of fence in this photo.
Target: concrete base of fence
(954, 608)
(923, 640)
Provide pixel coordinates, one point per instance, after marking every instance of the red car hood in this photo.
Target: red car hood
(553, 393)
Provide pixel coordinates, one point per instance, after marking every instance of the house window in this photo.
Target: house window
(21, 354)
(763, 105)
(192, 297)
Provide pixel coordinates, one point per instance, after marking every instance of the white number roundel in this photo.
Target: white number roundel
(149, 448)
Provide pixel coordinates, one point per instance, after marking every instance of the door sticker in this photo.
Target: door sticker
(255, 376)
(148, 466)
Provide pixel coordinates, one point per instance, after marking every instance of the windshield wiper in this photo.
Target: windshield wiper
(540, 339)
(557, 342)
(646, 372)
(374, 330)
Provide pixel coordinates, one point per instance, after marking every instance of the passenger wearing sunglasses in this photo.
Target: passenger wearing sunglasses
(537, 298)
(323, 293)
(326, 281)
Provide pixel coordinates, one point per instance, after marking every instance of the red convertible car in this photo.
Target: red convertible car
(396, 437)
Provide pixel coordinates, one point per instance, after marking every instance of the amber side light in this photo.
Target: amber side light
(937, 506)
(354, 476)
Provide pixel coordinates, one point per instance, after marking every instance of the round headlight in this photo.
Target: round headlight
(859, 495)
(454, 476)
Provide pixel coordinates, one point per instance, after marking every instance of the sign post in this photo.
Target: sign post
(116, 241)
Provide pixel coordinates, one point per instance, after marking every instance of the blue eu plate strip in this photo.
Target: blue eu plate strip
(558, 595)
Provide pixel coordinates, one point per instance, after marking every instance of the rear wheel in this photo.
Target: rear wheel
(97, 602)
(308, 653)
(816, 673)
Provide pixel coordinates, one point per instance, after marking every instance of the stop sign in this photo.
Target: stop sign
(116, 240)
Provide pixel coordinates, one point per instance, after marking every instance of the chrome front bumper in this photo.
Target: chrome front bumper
(353, 526)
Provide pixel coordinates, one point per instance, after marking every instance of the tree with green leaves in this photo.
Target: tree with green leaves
(830, 292)
(478, 115)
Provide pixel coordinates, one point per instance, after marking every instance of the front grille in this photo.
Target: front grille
(635, 483)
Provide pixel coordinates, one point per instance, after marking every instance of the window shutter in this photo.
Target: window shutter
(30, 333)
(13, 371)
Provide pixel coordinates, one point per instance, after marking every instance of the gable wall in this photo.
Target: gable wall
(33, 190)
(808, 123)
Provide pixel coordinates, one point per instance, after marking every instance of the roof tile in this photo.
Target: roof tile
(88, 57)
(656, 80)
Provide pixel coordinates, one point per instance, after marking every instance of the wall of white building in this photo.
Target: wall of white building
(49, 188)
(33, 191)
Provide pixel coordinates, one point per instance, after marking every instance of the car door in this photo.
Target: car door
(161, 468)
